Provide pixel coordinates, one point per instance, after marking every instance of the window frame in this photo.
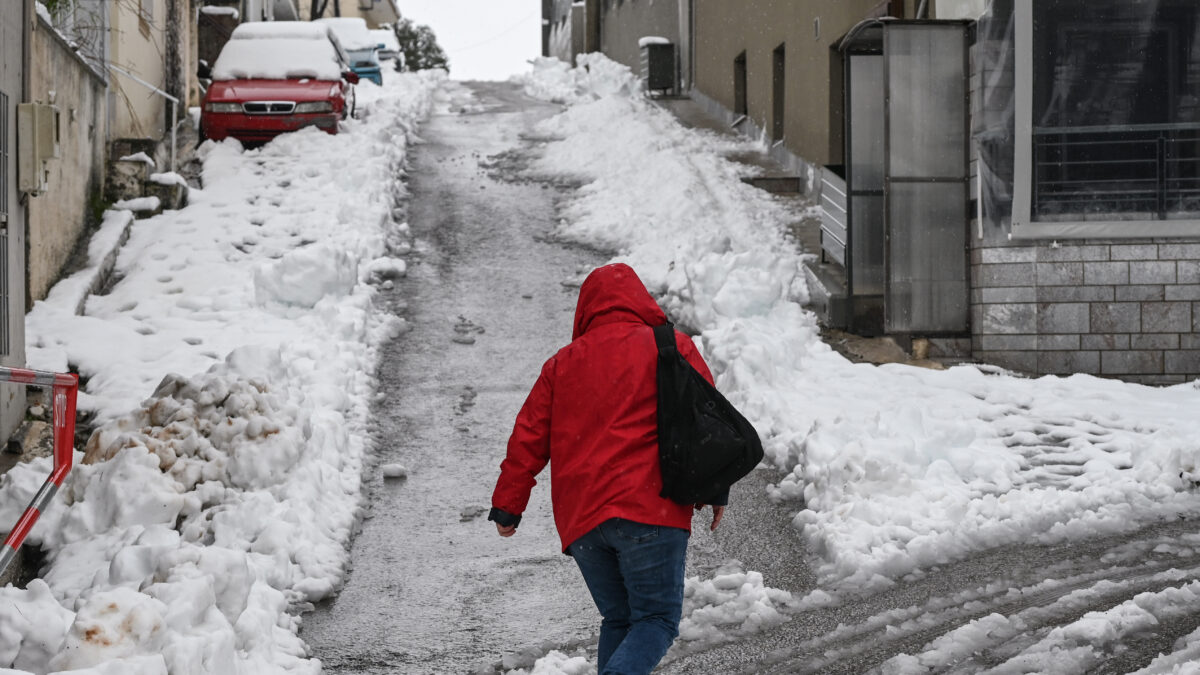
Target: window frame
(1023, 224)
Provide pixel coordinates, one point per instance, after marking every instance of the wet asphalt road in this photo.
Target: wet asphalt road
(432, 588)
(489, 296)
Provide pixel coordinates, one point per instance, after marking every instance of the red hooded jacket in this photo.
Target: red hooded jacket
(592, 416)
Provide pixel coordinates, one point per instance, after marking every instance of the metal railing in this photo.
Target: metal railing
(1147, 172)
(834, 229)
(64, 391)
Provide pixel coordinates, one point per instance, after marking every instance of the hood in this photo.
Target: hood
(614, 293)
(275, 90)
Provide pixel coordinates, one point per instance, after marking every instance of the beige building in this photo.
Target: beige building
(150, 54)
(375, 12)
(763, 65)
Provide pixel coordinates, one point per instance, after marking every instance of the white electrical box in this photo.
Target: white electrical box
(37, 143)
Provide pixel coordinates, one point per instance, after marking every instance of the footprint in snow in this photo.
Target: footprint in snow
(464, 329)
(471, 513)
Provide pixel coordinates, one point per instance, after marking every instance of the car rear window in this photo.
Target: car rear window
(276, 30)
(386, 38)
(277, 59)
(352, 32)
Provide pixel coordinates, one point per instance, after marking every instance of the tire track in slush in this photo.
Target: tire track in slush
(1036, 588)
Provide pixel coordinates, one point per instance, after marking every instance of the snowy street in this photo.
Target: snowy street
(303, 382)
(432, 588)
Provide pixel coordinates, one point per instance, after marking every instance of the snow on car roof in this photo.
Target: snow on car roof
(387, 38)
(277, 59)
(351, 31)
(260, 30)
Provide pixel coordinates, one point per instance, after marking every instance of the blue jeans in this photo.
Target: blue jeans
(635, 575)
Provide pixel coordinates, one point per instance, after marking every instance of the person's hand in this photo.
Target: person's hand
(510, 530)
(718, 512)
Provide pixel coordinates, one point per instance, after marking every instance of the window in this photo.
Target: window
(778, 80)
(739, 85)
(1108, 117)
(3, 160)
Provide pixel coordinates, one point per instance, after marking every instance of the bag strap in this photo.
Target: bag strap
(664, 337)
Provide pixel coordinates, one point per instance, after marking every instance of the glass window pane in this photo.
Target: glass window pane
(866, 121)
(867, 241)
(927, 98)
(927, 278)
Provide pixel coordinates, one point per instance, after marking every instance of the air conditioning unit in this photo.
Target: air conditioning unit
(37, 143)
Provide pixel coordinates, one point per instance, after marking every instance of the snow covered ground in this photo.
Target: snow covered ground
(230, 370)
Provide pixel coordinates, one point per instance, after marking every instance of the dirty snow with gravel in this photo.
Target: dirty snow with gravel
(229, 369)
(891, 469)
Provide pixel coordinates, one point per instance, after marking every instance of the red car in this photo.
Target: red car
(275, 81)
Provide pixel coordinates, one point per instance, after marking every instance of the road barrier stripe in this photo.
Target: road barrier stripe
(65, 390)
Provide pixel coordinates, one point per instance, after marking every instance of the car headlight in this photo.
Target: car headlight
(223, 107)
(314, 107)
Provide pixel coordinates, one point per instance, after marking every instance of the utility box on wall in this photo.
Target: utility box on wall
(37, 143)
(658, 65)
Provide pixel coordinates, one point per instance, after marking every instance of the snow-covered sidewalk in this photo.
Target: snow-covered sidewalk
(225, 501)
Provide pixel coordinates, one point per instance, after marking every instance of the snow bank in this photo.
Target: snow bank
(304, 276)
(558, 663)
(231, 410)
(596, 77)
(897, 468)
(138, 204)
(732, 604)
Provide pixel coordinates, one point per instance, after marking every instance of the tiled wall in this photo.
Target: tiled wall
(1125, 309)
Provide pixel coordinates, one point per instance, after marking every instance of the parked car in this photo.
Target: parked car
(300, 30)
(268, 81)
(360, 45)
(389, 47)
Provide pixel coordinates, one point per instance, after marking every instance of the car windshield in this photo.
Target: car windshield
(277, 59)
(363, 58)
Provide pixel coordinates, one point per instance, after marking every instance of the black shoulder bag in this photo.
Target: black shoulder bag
(704, 444)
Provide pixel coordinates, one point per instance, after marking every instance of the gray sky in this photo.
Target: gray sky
(485, 39)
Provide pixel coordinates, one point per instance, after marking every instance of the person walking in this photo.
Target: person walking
(592, 416)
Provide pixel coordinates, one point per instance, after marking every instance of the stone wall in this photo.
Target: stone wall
(59, 217)
(1122, 308)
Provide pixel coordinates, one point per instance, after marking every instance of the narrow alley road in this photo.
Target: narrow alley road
(432, 588)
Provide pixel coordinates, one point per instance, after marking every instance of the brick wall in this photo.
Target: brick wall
(1125, 309)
